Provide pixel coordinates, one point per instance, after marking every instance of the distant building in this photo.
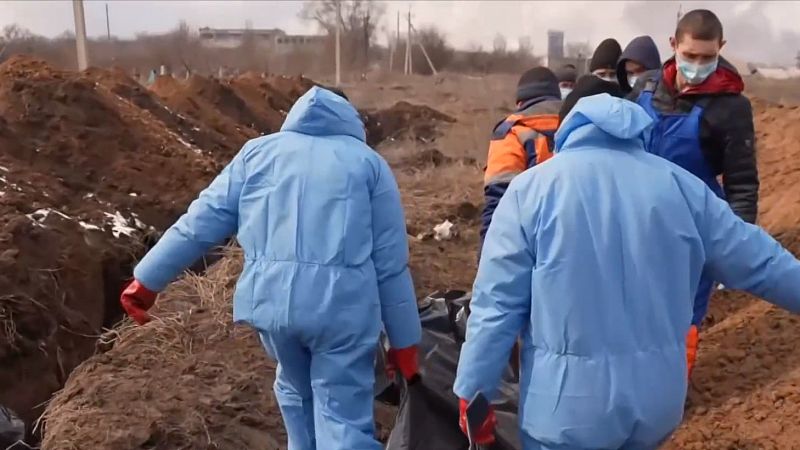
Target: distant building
(555, 44)
(556, 57)
(272, 40)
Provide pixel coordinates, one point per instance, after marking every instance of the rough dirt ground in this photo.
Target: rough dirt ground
(744, 393)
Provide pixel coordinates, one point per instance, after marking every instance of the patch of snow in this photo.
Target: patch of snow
(88, 196)
(180, 116)
(88, 226)
(11, 185)
(119, 225)
(39, 216)
(195, 129)
(4, 169)
(133, 194)
(186, 144)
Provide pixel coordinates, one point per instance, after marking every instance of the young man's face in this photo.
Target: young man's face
(633, 68)
(566, 84)
(696, 51)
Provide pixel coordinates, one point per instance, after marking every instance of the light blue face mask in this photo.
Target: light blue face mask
(565, 92)
(696, 73)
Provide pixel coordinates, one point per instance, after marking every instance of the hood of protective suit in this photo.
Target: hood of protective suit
(602, 118)
(320, 112)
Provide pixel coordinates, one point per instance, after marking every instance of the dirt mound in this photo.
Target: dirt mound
(778, 142)
(188, 380)
(404, 120)
(231, 111)
(198, 99)
(190, 130)
(270, 97)
(84, 175)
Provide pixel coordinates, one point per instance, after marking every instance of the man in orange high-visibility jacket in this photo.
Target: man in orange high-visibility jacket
(523, 139)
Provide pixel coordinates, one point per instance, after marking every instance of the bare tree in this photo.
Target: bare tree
(435, 43)
(499, 44)
(358, 20)
(525, 46)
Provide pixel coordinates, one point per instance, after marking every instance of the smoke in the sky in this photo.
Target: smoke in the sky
(751, 33)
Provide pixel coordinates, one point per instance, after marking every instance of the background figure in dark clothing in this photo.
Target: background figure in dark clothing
(640, 56)
(567, 75)
(704, 124)
(604, 60)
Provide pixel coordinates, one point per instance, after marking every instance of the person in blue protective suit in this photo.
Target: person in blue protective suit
(704, 124)
(318, 216)
(594, 258)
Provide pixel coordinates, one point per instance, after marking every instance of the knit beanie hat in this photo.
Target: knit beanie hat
(537, 82)
(606, 55)
(587, 86)
(568, 73)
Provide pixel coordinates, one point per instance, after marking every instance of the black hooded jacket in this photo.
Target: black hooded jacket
(727, 134)
(642, 50)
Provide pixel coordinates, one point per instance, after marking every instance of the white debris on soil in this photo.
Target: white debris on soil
(133, 194)
(39, 216)
(2, 193)
(195, 129)
(88, 226)
(11, 185)
(444, 231)
(4, 169)
(88, 196)
(120, 225)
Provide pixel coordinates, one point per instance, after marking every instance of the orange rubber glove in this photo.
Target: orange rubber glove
(692, 340)
(136, 300)
(483, 435)
(404, 359)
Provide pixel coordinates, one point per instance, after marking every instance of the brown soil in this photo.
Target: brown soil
(270, 97)
(200, 404)
(404, 119)
(73, 152)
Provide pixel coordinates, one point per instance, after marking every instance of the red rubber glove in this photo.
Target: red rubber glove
(483, 435)
(403, 359)
(136, 300)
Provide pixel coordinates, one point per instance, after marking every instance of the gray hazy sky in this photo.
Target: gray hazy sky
(765, 31)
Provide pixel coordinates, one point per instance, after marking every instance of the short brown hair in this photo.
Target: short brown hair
(699, 24)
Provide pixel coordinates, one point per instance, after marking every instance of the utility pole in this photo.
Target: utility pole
(395, 43)
(338, 42)
(80, 34)
(425, 53)
(108, 24)
(409, 64)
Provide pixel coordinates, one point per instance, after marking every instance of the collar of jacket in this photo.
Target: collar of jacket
(533, 101)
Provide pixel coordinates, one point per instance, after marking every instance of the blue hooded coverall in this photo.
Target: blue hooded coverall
(318, 215)
(594, 258)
